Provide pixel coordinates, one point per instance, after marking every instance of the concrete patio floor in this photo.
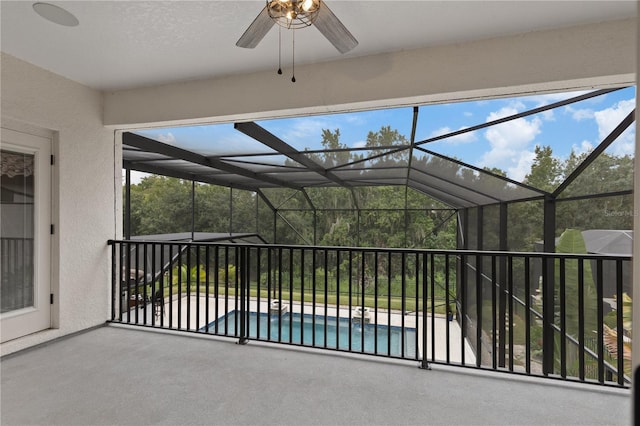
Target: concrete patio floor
(119, 375)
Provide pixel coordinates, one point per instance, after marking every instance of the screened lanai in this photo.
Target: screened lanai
(476, 212)
(300, 180)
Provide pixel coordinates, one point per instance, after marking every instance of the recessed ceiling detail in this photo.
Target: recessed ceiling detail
(55, 14)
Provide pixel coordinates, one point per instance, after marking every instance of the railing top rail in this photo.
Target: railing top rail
(488, 253)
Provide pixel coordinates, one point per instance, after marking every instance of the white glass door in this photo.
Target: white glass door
(25, 218)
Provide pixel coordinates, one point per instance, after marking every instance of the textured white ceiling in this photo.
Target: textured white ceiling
(125, 44)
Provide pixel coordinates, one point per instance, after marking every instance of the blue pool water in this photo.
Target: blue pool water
(299, 329)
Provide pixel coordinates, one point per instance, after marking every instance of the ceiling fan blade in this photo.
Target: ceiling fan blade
(331, 27)
(257, 30)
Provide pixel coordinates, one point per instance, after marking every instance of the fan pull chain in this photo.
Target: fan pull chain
(293, 61)
(279, 50)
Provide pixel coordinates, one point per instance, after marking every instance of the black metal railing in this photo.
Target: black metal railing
(529, 313)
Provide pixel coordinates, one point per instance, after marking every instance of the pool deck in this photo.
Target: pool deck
(120, 375)
(436, 325)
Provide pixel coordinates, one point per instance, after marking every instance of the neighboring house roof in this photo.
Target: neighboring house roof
(612, 242)
(608, 241)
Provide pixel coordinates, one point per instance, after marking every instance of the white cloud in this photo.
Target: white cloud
(306, 128)
(550, 98)
(468, 114)
(454, 140)
(584, 147)
(355, 119)
(168, 138)
(608, 119)
(522, 167)
(548, 115)
(510, 143)
(580, 114)
(359, 144)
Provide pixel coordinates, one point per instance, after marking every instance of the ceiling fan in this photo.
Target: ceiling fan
(294, 14)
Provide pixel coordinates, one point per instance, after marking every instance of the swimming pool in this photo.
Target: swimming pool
(309, 330)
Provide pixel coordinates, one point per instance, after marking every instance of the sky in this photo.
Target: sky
(509, 146)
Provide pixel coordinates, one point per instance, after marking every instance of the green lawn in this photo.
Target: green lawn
(384, 302)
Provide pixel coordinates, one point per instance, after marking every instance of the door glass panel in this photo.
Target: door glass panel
(17, 230)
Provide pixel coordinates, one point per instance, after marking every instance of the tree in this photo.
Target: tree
(546, 170)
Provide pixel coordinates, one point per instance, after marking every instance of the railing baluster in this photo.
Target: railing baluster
(188, 277)
(423, 311)
(124, 281)
(581, 307)
(171, 285)
(145, 282)
(313, 299)
(326, 295)
(113, 279)
(350, 299)
(242, 271)
(258, 291)
(433, 306)
(226, 291)
(236, 283)
(279, 315)
(269, 284)
(375, 303)
(302, 283)
(216, 288)
(463, 309)
(207, 279)
(619, 322)
(362, 313)
(479, 296)
(291, 295)
(447, 310)
(180, 270)
(389, 305)
(154, 286)
(527, 317)
(599, 292)
(417, 288)
(197, 248)
(137, 282)
(510, 308)
(563, 319)
(494, 313)
(128, 282)
(338, 322)
(160, 290)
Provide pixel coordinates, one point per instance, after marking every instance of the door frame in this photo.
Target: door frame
(22, 322)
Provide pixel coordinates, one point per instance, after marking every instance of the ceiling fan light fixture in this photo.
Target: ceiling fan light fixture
(310, 5)
(292, 14)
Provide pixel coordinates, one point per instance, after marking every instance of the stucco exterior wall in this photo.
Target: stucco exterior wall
(85, 182)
